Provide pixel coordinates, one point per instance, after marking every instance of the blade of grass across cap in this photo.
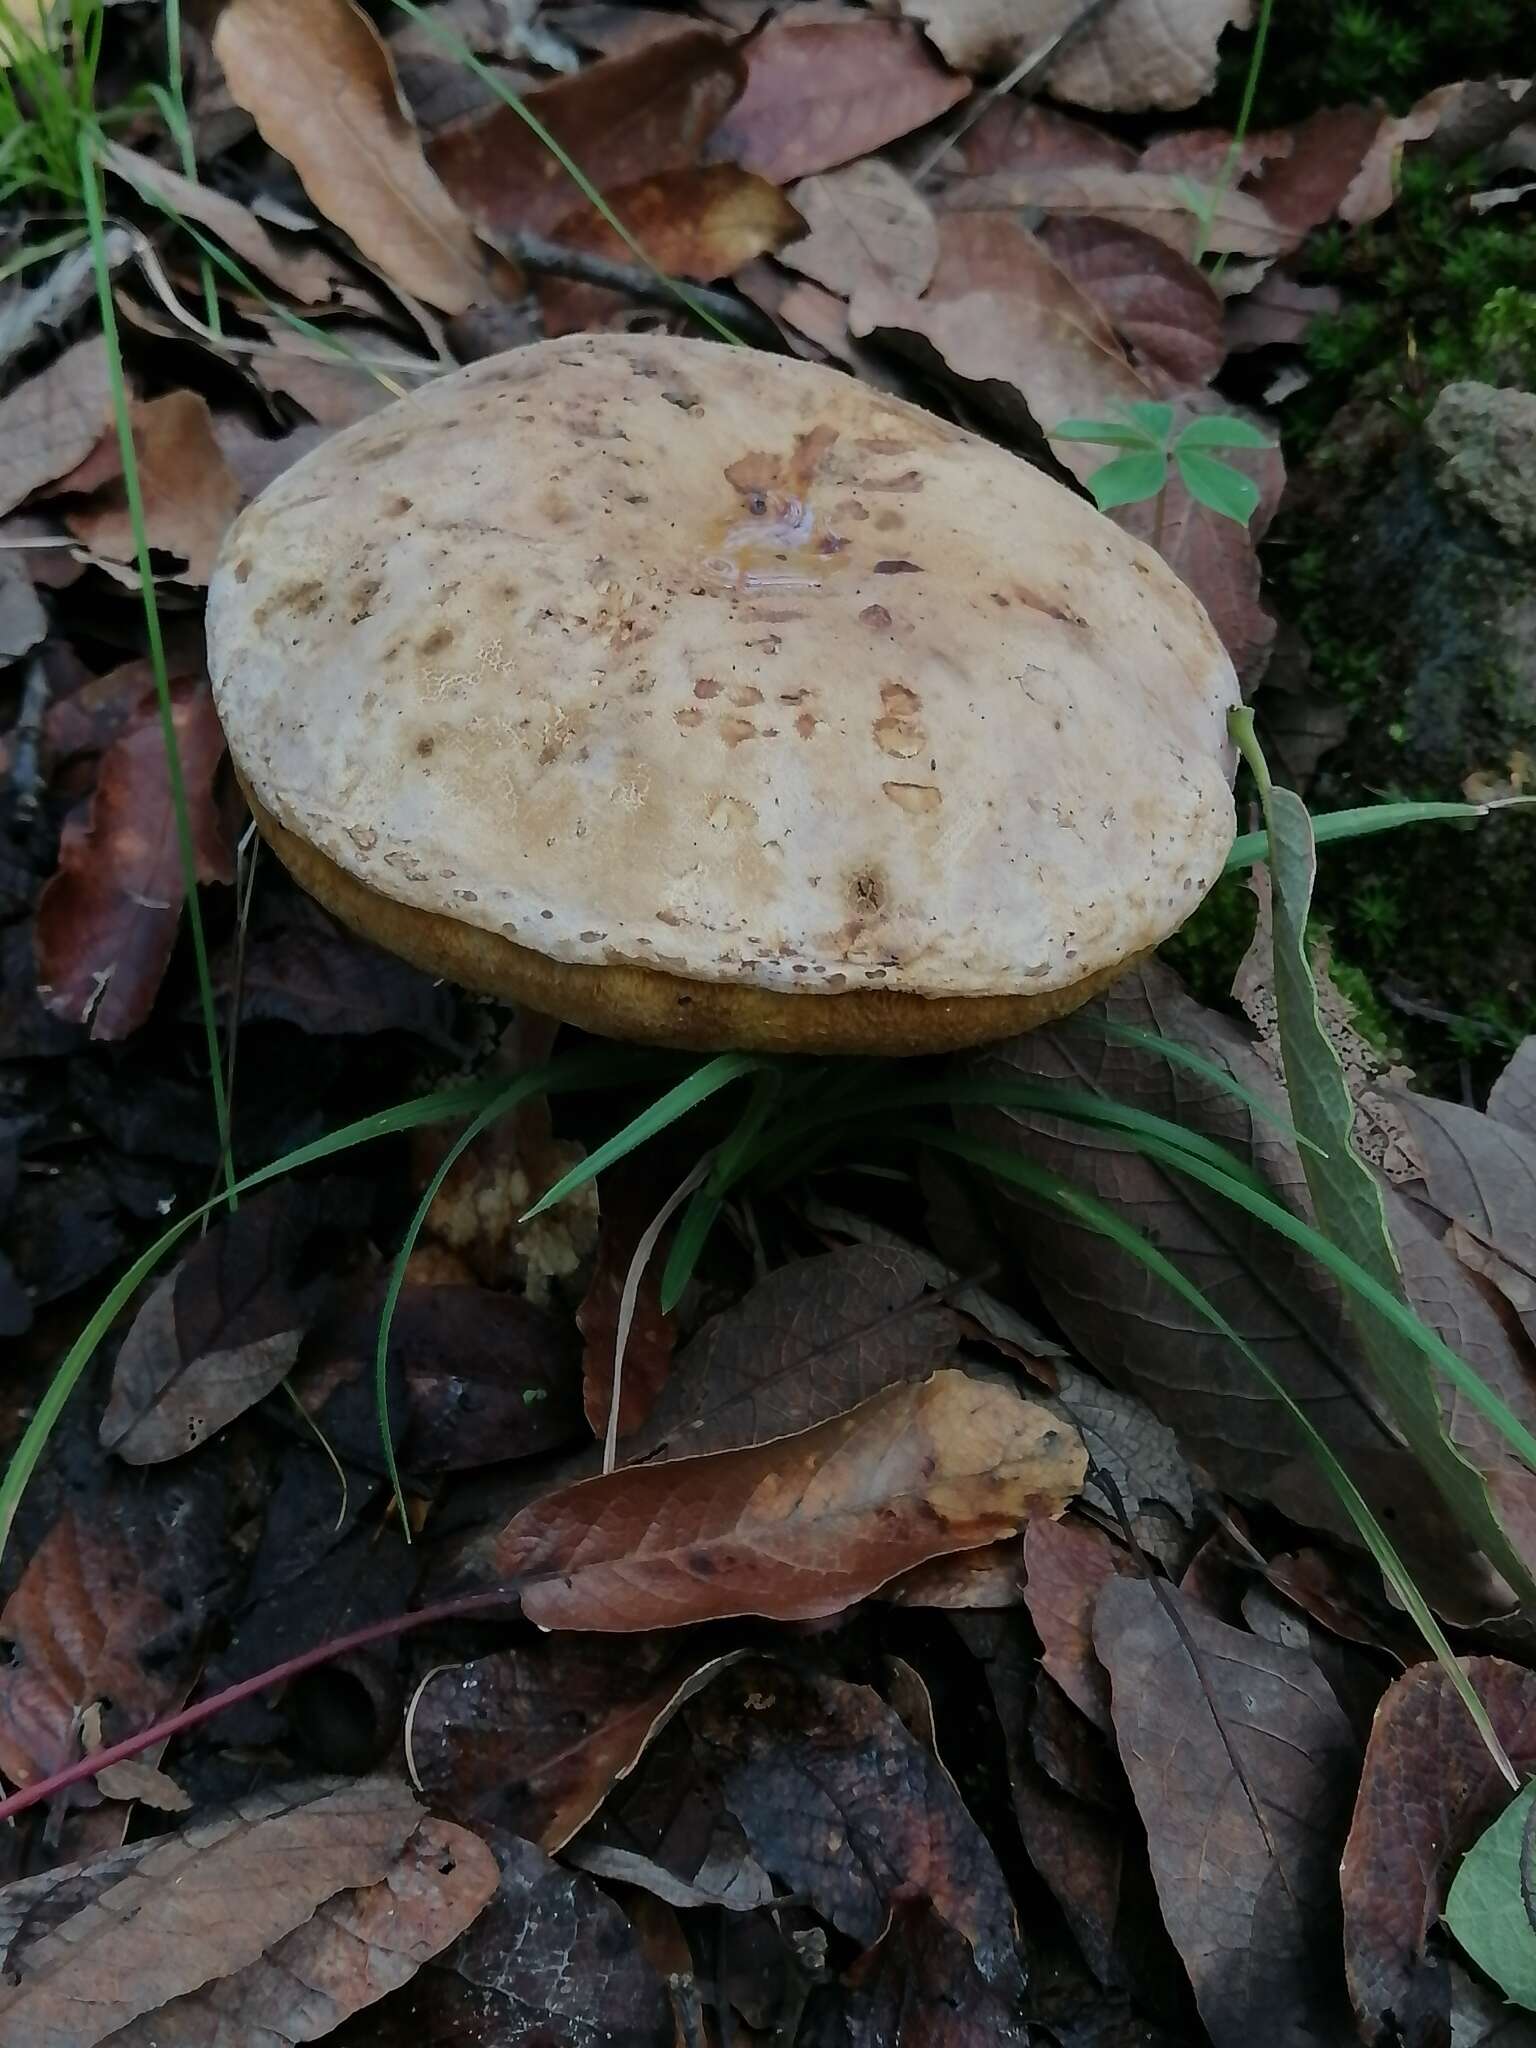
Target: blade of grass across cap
(1178, 1055)
(463, 54)
(1363, 823)
(1099, 1216)
(96, 225)
(406, 1116)
(705, 1081)
(1346, 1195)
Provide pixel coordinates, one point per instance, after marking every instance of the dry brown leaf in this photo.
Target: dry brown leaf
(1005, 318)
(868, 225)
(318, 79)
(23, 622)
(106, 921)
(1279, 310)
(793, 1529)
(1067, 1564)
(53, 421)
(822, 93)
(1373, 189)
(989, 1578)
(1146, 53)
(189, 491)
(1303, 188)
(623, 120)
(193, 1906)
(1160, 304)
(360, 1946)
(1026, 135)
(1155, 202)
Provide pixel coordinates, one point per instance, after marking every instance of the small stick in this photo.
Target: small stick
(581, 266)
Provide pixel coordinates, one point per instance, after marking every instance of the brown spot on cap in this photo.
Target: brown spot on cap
(706, 687)
(902, 737)
(920, 798)
(689, 718)
(436, 641)
(744, 694)
(899, 701)
(898, 567)
(876, 617)
(734, 730)
(806, 724)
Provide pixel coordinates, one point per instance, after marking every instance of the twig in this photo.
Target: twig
(1024, 81)
(646, 287)
(27, 733)
(232, 1695)
(68, 287)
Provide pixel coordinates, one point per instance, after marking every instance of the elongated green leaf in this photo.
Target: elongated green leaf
(1217, 485)
(1128, 479)
(1346, 1195)
(1362, 823)
(1103, 433)
(707, 1080)
(1221, 430)
(1099, 1216)
(1485, 1910)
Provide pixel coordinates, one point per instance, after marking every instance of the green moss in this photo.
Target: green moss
(1321, 52)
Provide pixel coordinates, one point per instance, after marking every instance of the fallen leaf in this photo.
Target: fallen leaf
(868, 225)
(1247, 1889)
(220, 1331)
(850, 1810)
(1159, 303)
(133, 1779)
(623, 120)
(300, 267)
(533, 1740)
(551, 1960)
(1213, 156)
(53, 421)
(799, 1348)
(1512, 1098)
(918, 1987)
(1146, 54)
(1428, 1789)
(107, 919)
(1279, 312)
(108, 1615)
(1304, 187)
(820, 93)
(194, 1906)
(359, 1947)
(23, 622)
(989, 1578)
(1373, 189)
(1010, 322)
(319, 82)
(1128, 1445)
(699, 222)
(1028, 135)
(1067, 1565)
(1480, 1174)
(629, 1205)
(795, 1528)
(189, 493)
(1158, 204)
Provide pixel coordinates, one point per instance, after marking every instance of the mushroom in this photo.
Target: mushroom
(708, 698)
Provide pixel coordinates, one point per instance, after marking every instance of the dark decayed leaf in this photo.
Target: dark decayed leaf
(918, 1987)
(1067, 1565)
(550, 1963)
(792, 1529)
(359, 1946)
(624, 119)
(629, 1203)
(1244, 1861)
(846, 1807)
(190, 1907)
(802, 1346)
(820, 93)
(1480, 1174)
(1159, 303)
(109, 1614)
(221, 1330)
(318, 79)
(53, 421)
(107, 920)
(533, 1740)
(1428, 1789)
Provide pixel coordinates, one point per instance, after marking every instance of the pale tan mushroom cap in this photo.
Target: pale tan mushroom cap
(646, 652)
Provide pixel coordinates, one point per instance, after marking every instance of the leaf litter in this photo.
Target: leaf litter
(952, 1560)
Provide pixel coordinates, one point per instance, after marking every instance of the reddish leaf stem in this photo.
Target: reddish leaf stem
(278, 1674)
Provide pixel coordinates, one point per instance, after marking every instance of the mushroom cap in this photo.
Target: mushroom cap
(709, 697)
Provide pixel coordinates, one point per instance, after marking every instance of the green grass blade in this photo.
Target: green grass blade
(1178, 1055)
(733, 1158)
(1346, 1195)
(96, 226)
(1100, 1217)
(697, 1087)
(1365, 822)
(464, 55)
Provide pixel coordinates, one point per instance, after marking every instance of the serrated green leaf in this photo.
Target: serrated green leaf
(1105, 433)
(1222, 430)
(1217, 485)
(1485, 1910)
(1346, 1195)
(1155, 420)
(1129, 479)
